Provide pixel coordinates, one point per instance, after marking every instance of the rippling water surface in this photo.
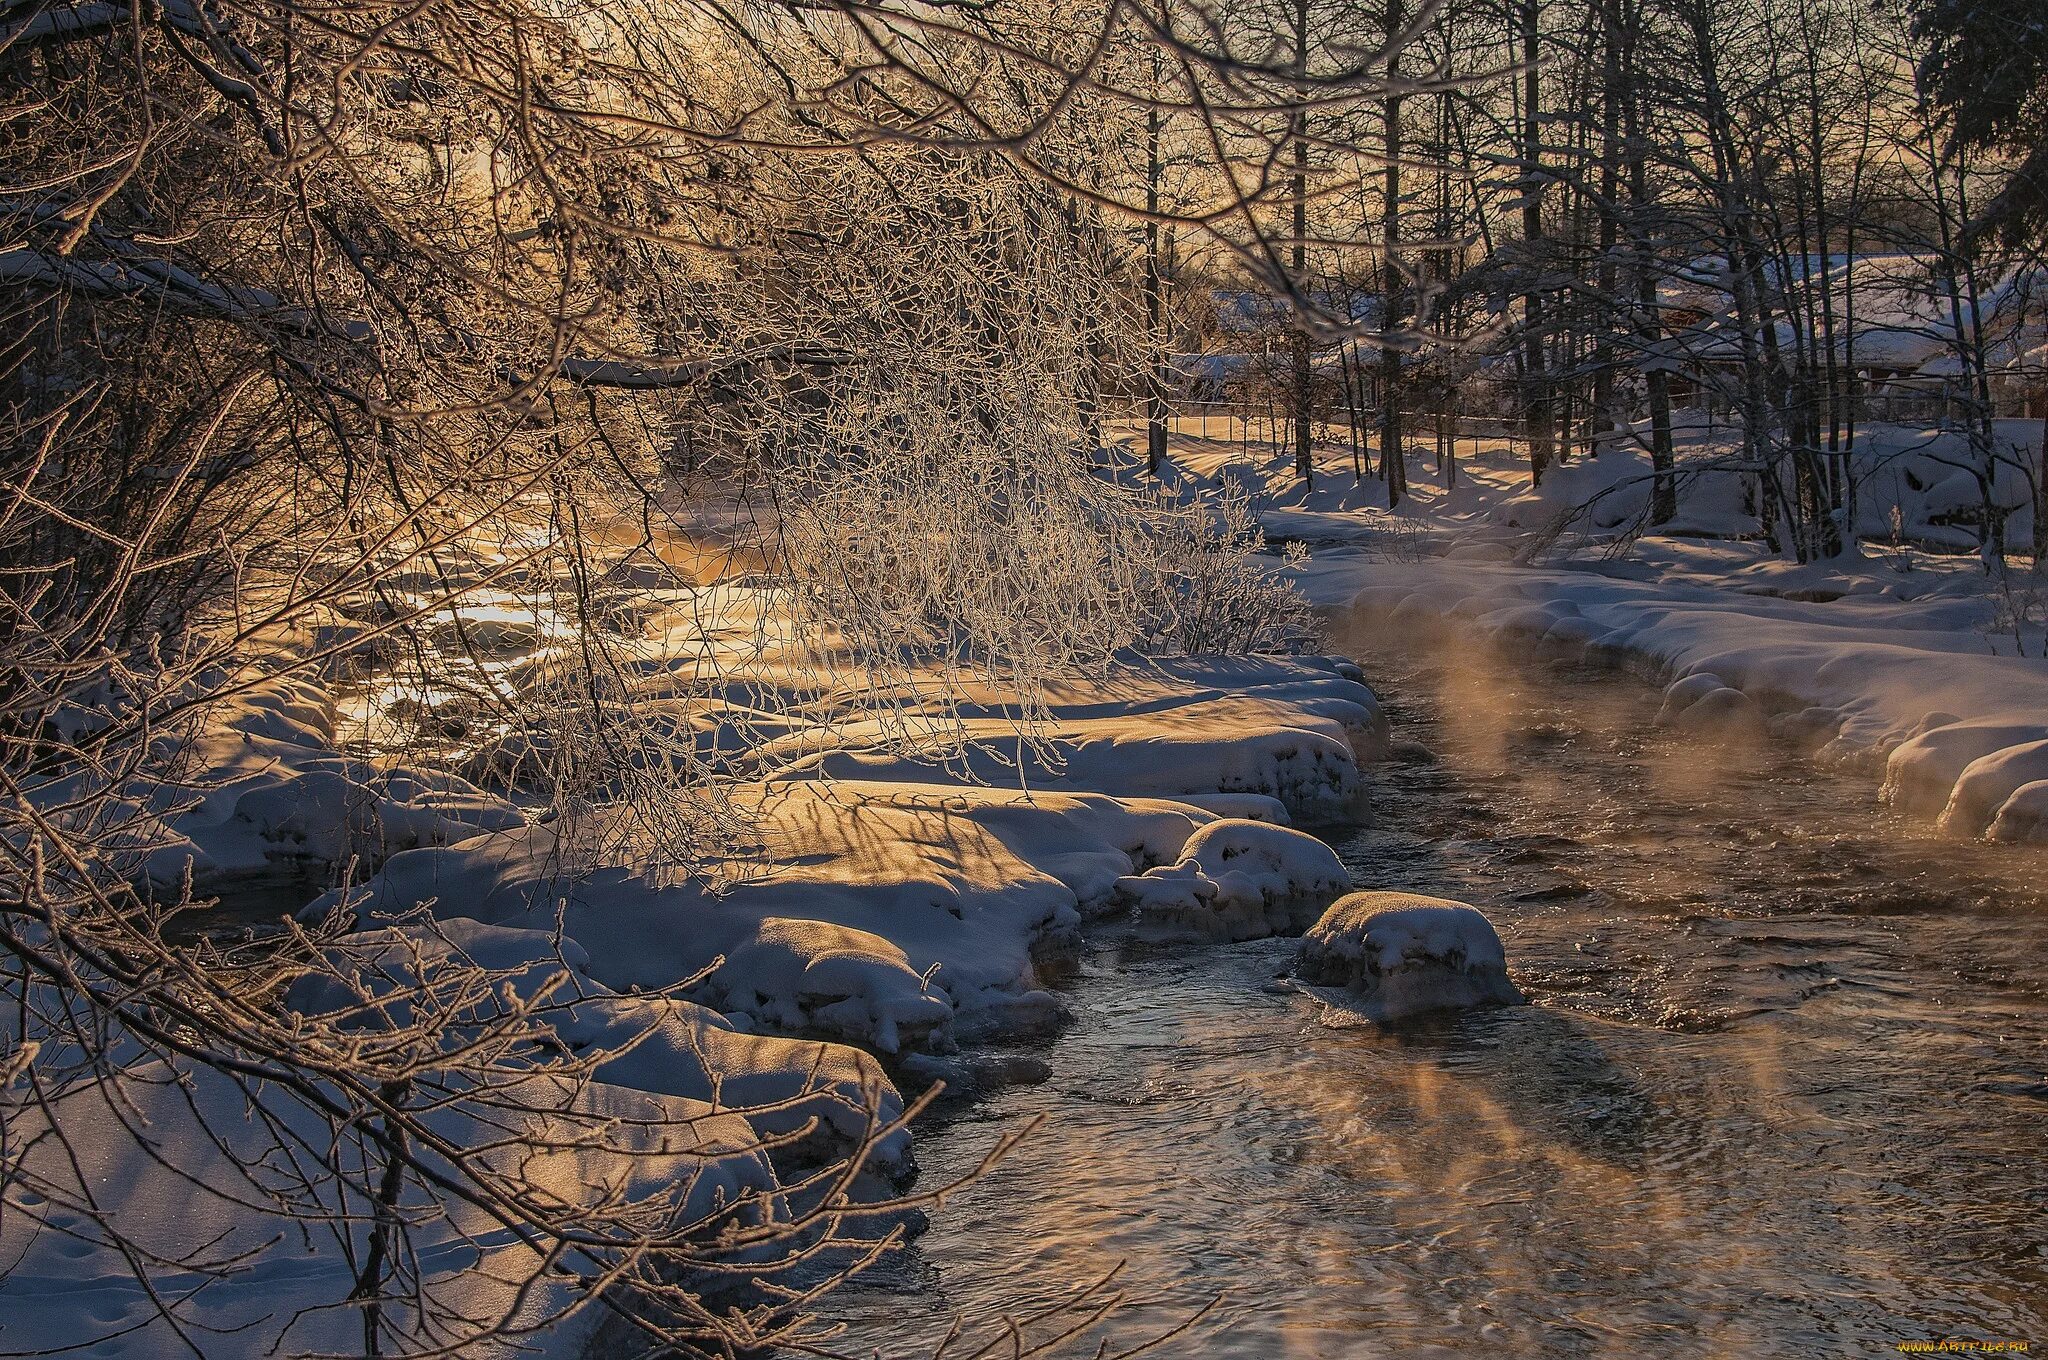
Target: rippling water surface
(1782, 1092)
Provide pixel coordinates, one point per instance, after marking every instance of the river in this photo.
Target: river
(1781, 1091)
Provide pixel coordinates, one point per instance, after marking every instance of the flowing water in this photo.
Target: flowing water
(1781, 1093)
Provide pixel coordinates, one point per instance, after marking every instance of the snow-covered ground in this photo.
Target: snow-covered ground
(894, 899)
(1914, 486)
(901, 895)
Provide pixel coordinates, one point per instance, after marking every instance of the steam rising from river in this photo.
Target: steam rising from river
(1780, 1095)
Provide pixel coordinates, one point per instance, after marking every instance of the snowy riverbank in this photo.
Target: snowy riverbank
(1900, 672)
(906, 906)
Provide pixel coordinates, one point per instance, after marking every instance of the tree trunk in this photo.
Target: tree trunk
(1611, 98)
(1155, 372)
(1649, 313)
(2041, 495)
(1393, 458)
(1304, 467)
(1536, 400)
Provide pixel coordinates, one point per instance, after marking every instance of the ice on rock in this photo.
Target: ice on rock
(1236, 880)
(816, 977)
(1391, 955)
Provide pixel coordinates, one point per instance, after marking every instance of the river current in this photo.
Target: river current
(1781, 1091)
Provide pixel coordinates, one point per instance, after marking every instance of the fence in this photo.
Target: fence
(1250, 423)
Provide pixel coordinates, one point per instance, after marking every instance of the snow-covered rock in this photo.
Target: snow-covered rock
(1394, 955)
(1723, 712)
(780, 1086)
(1237, 880)
(1686, 691)
(1807, 727)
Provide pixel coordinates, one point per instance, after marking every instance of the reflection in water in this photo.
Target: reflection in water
(1782, 1092)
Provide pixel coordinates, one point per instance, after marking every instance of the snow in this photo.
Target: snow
(1988, 783)
(1293, 732)
(1922, 773)
(813, 975)
(1309, 769)
(1681, 694)
(1912, 484)
(690, 1116)
(2024, 815)
(254, 785)
(1393, 956)
(1721, 709)
(1251, 807)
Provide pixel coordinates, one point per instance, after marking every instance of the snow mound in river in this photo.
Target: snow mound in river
(1989, 784)
(1236, 880)
(1397, 955)
(2023, 816)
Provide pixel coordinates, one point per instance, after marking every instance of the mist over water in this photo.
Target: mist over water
(1782, 1092)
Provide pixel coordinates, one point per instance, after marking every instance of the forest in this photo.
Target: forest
(999, 678)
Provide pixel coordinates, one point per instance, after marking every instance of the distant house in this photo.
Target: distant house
(1895, 337)
(1244, 338)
